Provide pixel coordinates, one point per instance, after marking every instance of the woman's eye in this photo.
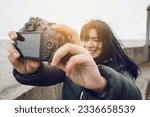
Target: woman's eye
(84, 39)
(95, 39)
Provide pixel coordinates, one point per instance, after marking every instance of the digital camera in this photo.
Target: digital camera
(37, 41)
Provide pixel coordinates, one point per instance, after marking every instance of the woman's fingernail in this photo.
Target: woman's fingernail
(67, 74)
(53, 63)
(54, 26)
(16, 55)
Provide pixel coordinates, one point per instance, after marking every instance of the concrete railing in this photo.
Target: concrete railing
(138, 54)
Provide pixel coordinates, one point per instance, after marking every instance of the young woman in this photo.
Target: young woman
(99, 69)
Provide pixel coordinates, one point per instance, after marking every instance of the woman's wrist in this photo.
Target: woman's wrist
(102, 86)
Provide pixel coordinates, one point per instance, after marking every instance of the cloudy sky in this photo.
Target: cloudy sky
(127, 18)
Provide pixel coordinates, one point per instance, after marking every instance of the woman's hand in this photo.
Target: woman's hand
(73, 35)
(80, 68)
(22, 66)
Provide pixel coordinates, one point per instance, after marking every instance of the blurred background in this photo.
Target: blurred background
(127, 18)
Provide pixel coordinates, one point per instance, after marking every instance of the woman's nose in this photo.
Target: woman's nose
(89, 43)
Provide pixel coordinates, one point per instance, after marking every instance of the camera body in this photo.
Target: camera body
(36, 40)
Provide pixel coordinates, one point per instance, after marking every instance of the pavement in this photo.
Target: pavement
(144, 78)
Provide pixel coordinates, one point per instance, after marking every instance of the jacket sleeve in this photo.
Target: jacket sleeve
(44, 76)
(120, 86)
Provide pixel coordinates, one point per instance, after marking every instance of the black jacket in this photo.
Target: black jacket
(120, 86)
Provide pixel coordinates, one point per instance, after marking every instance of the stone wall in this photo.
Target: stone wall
(42, 93)
(138, 54)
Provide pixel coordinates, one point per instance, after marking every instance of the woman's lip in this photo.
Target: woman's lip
(90, 51)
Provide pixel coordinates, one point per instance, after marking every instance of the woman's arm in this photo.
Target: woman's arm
(44, 76)
(120, 86)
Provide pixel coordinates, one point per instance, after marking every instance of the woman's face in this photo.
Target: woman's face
(93, 43)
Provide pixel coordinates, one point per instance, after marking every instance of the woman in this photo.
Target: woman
(107, 47)
(113, 79)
